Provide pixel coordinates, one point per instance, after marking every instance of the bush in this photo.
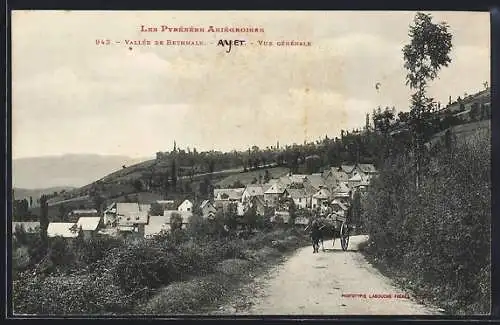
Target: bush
(142, 264)
(439, 234)
(184, 297)
(60, 253)
(124, 274)
(91, 251)
(193, 258)
(90, 293)
(20, 258)
(232, 267)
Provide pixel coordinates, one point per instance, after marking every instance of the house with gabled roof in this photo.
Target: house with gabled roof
(251, 191)
(228, 194)
(157, 225)
(347, 168)
(29, 227)
(316, 181)
(320, 200)
(89, 226)
(339, 207)
(300, 197)
(276, 192)
(297, 178)
(226, 197)
(63, 229)
(128, 217)
(259, 204)
(355, 180)
(334, 176)
(185, 206)
(208, 209)
(367, 169)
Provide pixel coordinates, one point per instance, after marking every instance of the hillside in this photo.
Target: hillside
(249, 177)
(24, 193)
(72, 170)
(463, 133)
(152, 179)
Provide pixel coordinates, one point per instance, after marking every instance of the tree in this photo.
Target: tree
(137, 184)
(475, 112)
(44, 219)
(98, 201)
(292, 210)
(175, 221)
(428, 51)
(20, 209)
(62, 212)
(156, 209)
(404, 117)
(174, 174)
(355, 209)
(165, 182)
(250, 217)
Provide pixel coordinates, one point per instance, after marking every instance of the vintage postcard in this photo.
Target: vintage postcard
(251, 163)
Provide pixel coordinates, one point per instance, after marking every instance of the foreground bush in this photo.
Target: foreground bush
(438, 234)
(142, 264)
(185, 297)
(82, 294)
(179, 274)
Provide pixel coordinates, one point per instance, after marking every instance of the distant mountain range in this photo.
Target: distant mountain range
(71, 170)
(24, 193)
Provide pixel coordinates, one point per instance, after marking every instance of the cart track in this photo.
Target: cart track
(314, 284)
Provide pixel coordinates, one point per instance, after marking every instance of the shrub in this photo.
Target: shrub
(91, 251)
(193, 258)
(141, 264)
(20, 258)
(439, 234)
(176, 221)
(60, 253)
(90, 293)
(184, 297)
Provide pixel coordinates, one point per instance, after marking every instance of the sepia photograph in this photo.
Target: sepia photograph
(215, 163)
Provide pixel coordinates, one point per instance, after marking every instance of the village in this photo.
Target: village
(327, 194)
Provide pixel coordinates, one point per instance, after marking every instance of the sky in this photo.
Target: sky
(70, 95)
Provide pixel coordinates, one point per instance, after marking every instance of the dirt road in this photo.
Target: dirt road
(319, 284)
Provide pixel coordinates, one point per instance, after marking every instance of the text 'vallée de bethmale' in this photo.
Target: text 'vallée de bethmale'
(227, 44)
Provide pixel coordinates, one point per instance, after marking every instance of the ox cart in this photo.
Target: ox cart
(339, 228)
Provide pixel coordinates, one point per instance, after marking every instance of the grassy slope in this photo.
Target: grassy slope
(248, 177)
(425, 291)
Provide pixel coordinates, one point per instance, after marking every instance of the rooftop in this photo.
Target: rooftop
(62, 229)
(88, 223)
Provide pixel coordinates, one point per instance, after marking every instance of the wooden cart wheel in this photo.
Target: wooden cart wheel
(344, 237)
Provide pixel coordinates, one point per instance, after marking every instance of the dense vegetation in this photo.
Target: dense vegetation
(135, 275)
(429, 211)
(437, 236)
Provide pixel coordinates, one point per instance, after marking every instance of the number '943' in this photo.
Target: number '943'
(102, 42)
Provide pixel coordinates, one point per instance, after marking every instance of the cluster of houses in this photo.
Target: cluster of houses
(328, 193)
